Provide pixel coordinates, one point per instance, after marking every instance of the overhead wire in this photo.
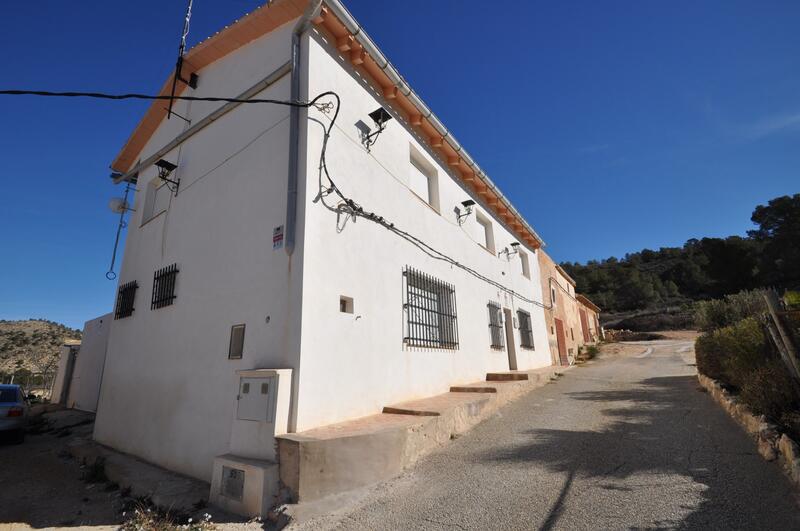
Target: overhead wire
(347, 205)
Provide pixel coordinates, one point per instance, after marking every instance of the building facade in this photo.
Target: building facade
(571, 318)
(252, 305)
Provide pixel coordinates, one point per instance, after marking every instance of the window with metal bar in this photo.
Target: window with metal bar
(164, 286)
(496, 325)
(125, 296)
(525, 329)
(430, 311)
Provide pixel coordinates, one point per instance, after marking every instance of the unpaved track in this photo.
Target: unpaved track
(625, 442)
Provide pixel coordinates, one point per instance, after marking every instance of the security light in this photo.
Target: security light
(380, 117)
(165, 168)
(510, 252)
(467, 204)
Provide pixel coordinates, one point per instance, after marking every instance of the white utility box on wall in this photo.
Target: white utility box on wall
(245, 480)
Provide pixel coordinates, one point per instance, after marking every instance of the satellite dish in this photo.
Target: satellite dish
(118, 205)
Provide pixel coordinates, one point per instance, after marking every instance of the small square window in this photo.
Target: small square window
(264, 388)
(345, 304)
(245, 388)
(236, 345)
(423, 179)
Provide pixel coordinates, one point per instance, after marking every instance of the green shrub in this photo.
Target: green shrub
(792, 299)
(708, 356)
(769, 390)
(731, 353)
(746, 345)
(719, 313)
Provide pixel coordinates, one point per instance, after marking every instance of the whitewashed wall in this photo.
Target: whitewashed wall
(354, 364)
(169, 390)
(84, 389)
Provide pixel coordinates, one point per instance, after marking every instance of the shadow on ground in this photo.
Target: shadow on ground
(662, 427)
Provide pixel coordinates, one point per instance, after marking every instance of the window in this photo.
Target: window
(485, 234)
(236, 345)
(345, 304)
(526, 267)
(552, 296)
(423, 180)
(164, 286)
(525, 329)
(496, 325)
(572, 333)
(125, 296)
(430, 311)
(156, 199)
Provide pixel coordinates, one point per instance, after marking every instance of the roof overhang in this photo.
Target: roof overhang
(353, 42)
(586, 302)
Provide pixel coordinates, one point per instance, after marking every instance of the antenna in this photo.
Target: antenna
(192, 82)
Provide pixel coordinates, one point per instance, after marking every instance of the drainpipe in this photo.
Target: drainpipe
(294, 124)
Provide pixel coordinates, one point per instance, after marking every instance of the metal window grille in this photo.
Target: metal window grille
(164, 286)
(525, 329)
(236, 346)
(430, 311)
(125, 296)
(496, 325)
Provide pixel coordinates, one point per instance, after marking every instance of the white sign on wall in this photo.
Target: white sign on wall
(277, 237)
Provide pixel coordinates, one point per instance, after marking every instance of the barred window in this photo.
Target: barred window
(164, 286)
(430, 311)
(525, 329)
(125, 296)
(496, 325)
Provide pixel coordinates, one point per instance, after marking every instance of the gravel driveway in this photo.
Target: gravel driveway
(628, 441)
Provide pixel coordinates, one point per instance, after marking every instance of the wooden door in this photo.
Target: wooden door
(561, 337)
(587, 338)
(510, 345)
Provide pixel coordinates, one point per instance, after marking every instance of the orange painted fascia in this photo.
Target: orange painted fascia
(253, 25)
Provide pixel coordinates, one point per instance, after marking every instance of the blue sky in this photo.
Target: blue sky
(612, 126)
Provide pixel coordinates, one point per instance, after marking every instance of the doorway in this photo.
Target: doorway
(511, 347)
(561, 338)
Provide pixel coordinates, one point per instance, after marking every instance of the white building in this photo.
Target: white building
(255, 273)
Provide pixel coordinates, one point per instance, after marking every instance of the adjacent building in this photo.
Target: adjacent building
(572, 319)
(256, 298)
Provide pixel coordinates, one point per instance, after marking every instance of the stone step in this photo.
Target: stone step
(506, 376)
(472, 389)
(405, 411)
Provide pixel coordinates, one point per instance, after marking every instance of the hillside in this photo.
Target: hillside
(703, 268)
(32, 345)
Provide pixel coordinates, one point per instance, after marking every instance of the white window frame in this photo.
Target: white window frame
(526, 265)
(485, 223)
(154, 187)
(419, 164)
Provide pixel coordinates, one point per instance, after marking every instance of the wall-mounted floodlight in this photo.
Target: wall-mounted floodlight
(461, 217)
(510, 252)
(165, 169)
(380, 117)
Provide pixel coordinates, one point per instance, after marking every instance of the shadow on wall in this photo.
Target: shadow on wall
(657, 429)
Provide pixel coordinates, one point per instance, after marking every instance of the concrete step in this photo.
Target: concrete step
(511, 376)
(406, 411)
(473, 388)
(345, 456)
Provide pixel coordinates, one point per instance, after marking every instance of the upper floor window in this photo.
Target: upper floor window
(430, 311)
(526, 267)
(156, 199)
(423, 179)
(552, 296)
(485, 232)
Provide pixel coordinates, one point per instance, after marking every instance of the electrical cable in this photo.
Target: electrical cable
(348, 206)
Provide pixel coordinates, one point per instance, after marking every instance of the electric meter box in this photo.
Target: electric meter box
(261, 412)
